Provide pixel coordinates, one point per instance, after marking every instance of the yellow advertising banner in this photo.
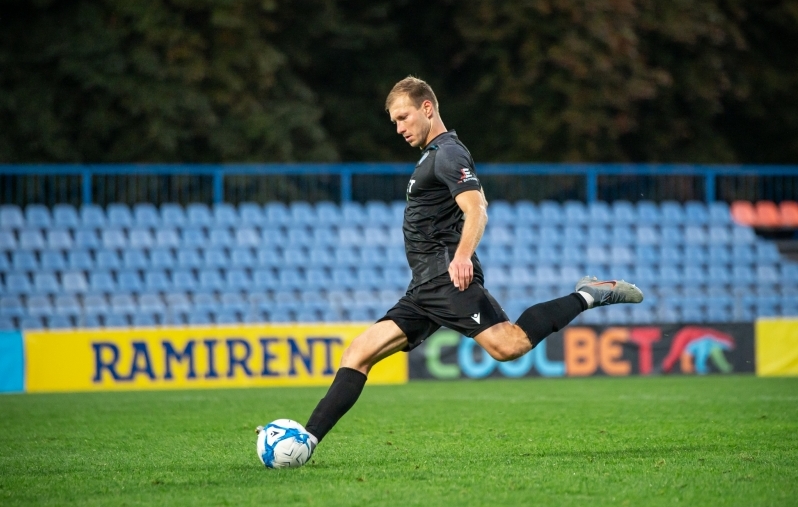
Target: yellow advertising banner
(776, 347)
(194, 357)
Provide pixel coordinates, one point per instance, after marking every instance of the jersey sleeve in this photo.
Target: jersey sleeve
(455, 168)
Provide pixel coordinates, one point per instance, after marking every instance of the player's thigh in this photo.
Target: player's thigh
(374, 344)
(504, 341)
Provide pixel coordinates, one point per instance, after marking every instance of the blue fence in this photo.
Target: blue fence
(103, 184)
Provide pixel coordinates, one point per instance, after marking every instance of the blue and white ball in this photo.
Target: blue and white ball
(284, 443)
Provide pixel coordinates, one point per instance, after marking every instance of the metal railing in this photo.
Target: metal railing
(158, 183)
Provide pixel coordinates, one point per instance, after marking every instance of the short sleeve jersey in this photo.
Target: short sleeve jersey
(433, 221)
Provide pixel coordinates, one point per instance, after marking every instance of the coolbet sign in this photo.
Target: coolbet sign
(166, 358)
(588, 350)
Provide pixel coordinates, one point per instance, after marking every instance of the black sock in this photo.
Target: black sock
(342, 395)
(541, 320)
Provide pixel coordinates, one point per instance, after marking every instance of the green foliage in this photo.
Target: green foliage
(722, 440)
(547, 80)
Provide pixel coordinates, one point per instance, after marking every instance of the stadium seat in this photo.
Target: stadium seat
(144, 320)
(621, 255)
(549, 255)
(11, 217)
(221, 238)
(247, 237)
(373, 256)
(695, 235)
(264, 279)
(31, 323)
(74, 281)
(719, 213)
(113, 239)
(302, 212)
(329, 213)
(274, 235)
(67, 305)
(526, 235)
(108, 260)
(215, 258)
(5, 265)
(551, 212)
(575, 213)
(39, 306)
(599, 213)
(742, 254)
(189, 259)
(199, 215)
(156, 281)
(95, 304)
(767, 215)
(237, 279)
(18, 283)
(277, 213)
(672, 213)
(743, 235)
(696, 213)
(114, 320)
(269, 257)
(766, 253)
(695, 254)
(129, 281)
(7, 324)
(184, 280)
(670, 255)
(719, 234)
(162, 258)
(22, 260)
(622, 235)
(226, 317)
(648, 213)
(242, 258)
(396, 256)
(177, 302)
(574, 237)
(251, 214)
(46, 283)
(742, 274)
(233, 302)
(211, 280)
(668, 315)
(92, 216)
(789, 273)
(11, 306)
(142, 238)
(719, 254)
(719, 274)
(146, 215)
(59, 239)
(767, 274)
(37, 216)
(647, 236)
(672, 235)
(527, 212)
(135, 259)
(500, 213)
(122, 304)
(789, 214)
(204, 302)
(31, 239)
(597, 255)
(623, 213)
(295, 256)
(225, 215)
(86, 238)
(119, 215)
(8, 241)
(551, 235)
(173, 215)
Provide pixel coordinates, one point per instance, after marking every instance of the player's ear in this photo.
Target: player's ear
(428, 108)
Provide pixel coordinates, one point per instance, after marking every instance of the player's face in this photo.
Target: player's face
(413, 123)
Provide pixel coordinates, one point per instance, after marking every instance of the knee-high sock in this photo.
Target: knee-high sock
(542, 319)
(342, 395)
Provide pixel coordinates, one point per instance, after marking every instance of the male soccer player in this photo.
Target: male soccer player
(444, 220)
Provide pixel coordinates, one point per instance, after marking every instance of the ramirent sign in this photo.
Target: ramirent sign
(179, 358)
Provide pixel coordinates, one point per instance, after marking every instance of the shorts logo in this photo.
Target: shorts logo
(476, 318)
(466, 175)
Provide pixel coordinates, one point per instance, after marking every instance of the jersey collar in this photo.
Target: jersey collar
(433, 145)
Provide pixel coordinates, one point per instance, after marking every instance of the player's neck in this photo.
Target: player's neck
(437, 129)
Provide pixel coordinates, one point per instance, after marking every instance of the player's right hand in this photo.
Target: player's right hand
(461, 272)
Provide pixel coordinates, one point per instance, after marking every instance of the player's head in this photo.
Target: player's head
(413, 107)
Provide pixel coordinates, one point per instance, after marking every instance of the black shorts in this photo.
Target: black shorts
(438, 303)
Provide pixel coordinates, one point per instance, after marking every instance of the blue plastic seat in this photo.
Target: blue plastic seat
(102, 281)
(108, 259)
(141, 238)
(767, 274)
(8, 241)
(719, 235)
(719, 254)
(18, 283)
(668, 315)
(92, 216)
(211, 280)
(221, 238)
(5, 265)
(299, 236)
(519, 254)
(269, 257)
(526, 212)
(695, 254)
(551, 212)
(789, 272)
(743, 274)
(173, 215)
(129, 281)
(344, 278)
(353, 213)
(146, 215)
(551, 235)
(215, 258)
(37, 215)
(526, 235)
(742, 254)
(376, 235)
(672, 235)
(135, 259)
(623, 235)
(719, 213)
(295, 256)
(292, 278)
(59, 322)
(599, 213)
(598, 234)
(329, 213)
(247, 237)
(499, 235)
(31, 239)
(574, 236)
(273, 235)
(31, 323)
(237, 279)
(241, 257)
(204, 301)
(621, 255)
(373, 256)
(302, 212)
(575, 212)
(545, 275)
(184, 280)
(46, 282)
(38, 306)
(277, 213)
(86, 238)
(11, 306)
(233, 301)
(194, 237)
(672, 213)
(144, 320)
(347, 256)
(497, 255)
(189, 259)
(59, 239)
(670, 276)
(251, 214)
(647, 236)
(68, 305)
(22, 260)
(114, 239)
(156, 281)
(648, 213)
(767, 253)
(199, 215)
(225, 215)
(11, 217)
(623, 212)
(116, 320)
(74, 282)
(95, 304)
(151, 304)
(696, 213)
(743, 235)
(162, 258)
(177, 302)
(597, 255)
(573, 256)
(548, 255)
(695, 235)
(7, 324)
(370, 277)
(695, 274)
(226, 317)
(119, 215)
(321, 256)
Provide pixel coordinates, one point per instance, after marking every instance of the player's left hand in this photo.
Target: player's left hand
(461, 272)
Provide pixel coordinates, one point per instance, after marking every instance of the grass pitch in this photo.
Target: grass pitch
(718, 440)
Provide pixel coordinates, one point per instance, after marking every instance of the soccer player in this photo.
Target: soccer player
(444, 220)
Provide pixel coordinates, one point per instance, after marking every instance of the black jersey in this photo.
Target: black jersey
(433, 220)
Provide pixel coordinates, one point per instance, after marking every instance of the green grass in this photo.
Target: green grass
(719, 440)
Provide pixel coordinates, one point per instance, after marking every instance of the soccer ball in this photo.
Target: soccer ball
(284, 443)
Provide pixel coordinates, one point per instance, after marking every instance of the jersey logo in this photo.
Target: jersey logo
(466, 175)
(475, 317)
(424, 156)
(410, 186)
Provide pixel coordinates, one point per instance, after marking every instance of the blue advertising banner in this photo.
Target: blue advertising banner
(12, 360)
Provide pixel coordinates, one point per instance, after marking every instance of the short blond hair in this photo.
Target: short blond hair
(415, 88)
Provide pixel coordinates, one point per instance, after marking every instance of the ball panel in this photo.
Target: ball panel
(284, 443)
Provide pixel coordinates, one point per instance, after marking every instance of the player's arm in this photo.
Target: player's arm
(475, 208)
